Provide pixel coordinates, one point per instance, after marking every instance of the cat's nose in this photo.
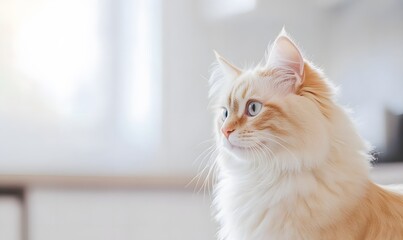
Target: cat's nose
(227, 131)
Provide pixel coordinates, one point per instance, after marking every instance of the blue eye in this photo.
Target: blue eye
(224, 113)
(253, 108)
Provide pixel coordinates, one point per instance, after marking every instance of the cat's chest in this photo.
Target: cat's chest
(260, 215)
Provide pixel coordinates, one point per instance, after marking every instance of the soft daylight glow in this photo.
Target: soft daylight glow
(141, 94)
(140, 56)
(58, 48)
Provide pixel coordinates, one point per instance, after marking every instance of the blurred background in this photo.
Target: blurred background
(103, 103)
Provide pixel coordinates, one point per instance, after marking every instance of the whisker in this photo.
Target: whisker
(208, 153)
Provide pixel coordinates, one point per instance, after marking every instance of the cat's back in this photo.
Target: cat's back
(379, 216)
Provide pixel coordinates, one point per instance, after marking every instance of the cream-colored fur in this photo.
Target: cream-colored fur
(304, 175)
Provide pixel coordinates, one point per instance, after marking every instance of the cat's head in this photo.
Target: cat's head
(278, 108)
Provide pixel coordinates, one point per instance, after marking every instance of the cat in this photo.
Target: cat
(291, 164)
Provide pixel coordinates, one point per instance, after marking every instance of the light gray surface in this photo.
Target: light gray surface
(83, 214)
(10, 213)
(387, 173)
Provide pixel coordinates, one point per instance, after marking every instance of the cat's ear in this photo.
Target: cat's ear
(222, 74)
(287, 58)
(228, 69)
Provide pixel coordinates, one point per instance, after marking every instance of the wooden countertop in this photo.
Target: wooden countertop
(140, 182)
(382, 173)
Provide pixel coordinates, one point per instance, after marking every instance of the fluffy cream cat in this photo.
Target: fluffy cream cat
(291, 164)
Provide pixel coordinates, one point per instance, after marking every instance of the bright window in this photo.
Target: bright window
(76, 84)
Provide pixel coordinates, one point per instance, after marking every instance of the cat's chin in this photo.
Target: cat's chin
(235, 150)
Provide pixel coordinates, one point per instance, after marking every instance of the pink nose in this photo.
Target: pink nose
(227, 131)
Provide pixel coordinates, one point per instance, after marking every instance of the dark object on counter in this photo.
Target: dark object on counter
(394, 138)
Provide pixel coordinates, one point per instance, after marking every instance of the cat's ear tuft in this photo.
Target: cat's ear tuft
(227, 68)
(285, 56)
